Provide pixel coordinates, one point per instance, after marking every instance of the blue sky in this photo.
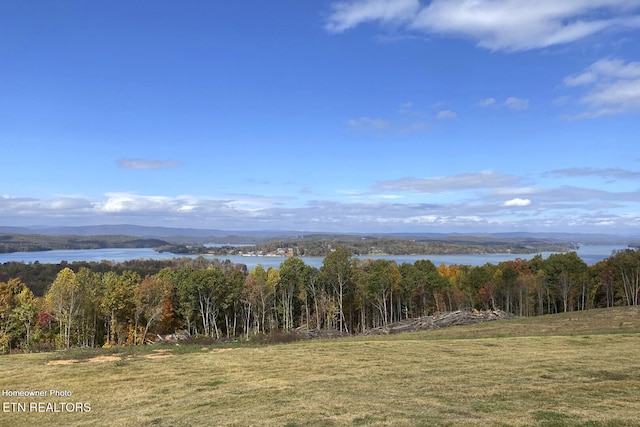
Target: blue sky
(351, 116)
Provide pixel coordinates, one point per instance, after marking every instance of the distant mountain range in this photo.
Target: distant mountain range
(239, 236)
(138, 231)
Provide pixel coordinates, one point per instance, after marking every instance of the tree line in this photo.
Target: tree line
(322, 245)
(105, 304)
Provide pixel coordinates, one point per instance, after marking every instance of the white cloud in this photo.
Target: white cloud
(612, 87)
(131, 202)
(606, 173)
(406, 120)
(446, 114)
(465, 181)
(514, 191)
(588, 77)
(507, 25)
(588, 198)
(60, 205)
(147, 164)
(411, 127)
(487, 102)
(368, 124)
(517, 202)
(459, 202)
(348, 14)
(387, 196)
(511, 102)
(516, 103)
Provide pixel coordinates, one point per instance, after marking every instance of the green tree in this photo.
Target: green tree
(568, 272)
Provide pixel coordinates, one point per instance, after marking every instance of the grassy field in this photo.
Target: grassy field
(574, 369)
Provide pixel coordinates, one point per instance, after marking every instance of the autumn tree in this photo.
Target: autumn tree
(361, 304)
(317, 293)
(506, 276)
(186, 297)
(293, 275)
(206, 284)
(543, 284)
(443, 293)
(257, 295)
(25, 316)
(64, 297)
(230, 299)
(384, 278)
(90, 310)
(18, 314)
(7, 295)
(119, 305)
(337, 271)
(273, 280)
(170, 320)
(626, 268)
(150, 299)
(605, 287)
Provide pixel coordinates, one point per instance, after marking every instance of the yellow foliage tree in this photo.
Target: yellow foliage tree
(63, 298)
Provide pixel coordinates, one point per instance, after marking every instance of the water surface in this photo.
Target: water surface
(591, 254)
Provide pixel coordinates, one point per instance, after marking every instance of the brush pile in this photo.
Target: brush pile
(441, 320)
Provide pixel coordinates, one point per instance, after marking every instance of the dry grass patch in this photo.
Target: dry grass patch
(62, 362)
(586, 380)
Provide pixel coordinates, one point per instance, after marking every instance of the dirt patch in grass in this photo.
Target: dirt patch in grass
(96, 359)
(221, 350)
(103, 359)
(156, 354)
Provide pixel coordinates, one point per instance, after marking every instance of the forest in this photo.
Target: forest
(306, 245)
(38, 242)
(89, 304)
(323, 244)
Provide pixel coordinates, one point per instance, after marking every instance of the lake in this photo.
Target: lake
(591, 254)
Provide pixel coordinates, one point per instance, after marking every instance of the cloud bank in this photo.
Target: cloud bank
(468, 202)
(498, 25)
